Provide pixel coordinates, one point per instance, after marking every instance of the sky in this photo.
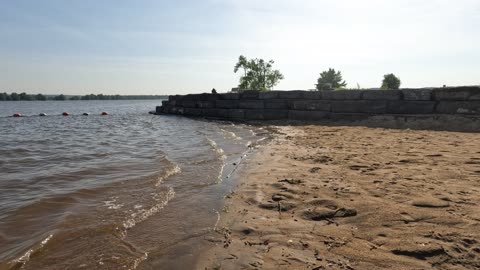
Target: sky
(187, 46)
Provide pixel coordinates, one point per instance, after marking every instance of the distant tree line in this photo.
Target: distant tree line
(26, 97)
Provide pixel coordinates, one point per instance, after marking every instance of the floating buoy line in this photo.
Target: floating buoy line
(64, 114)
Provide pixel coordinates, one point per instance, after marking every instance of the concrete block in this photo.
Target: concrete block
(276, 104)
(360, 106)
(269, 95)
(165, 103)
(456, 93)
(410, 107)
(295, 94)
(349, 116)
(311, 105)
(308, 115)
(458, 107)
(251, 104)
(209, 97)
(192, 97)
(266, 114)
(227, 104)
(382, 95)
(188, 103)
(313, 95)
(236, 114)
(342, 94)
(215, 113)
(205, 104)
(192, 112)
(170, 98)
(229, 96)
(159, 109)
(249, 94)
(417, 94)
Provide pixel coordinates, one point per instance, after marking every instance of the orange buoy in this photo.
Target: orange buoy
(65, 114)
(17, 115)
(104, 113)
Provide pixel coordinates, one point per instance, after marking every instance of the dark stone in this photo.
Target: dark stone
(360, 106)
(192, 97)
(342, 94)
(229, 96)
(205, 104)
(349, 116)
(410, 107)
(171, 98)
(276, 104)
(458, 107)
(311, 105)
(417, 94)
(165, 103)
(236, 114)
(159, 109)
(268, 95)
(307, 115)
(266, 114)
(249, 94)
(296, 94)
(188, 103)
(251, 104)
(227, 104)
(215, 113)
(313, 95)
(382, 95)
(209, 97)
(192, 112)
(456, 93)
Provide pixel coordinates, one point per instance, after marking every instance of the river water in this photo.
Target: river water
(128, 190)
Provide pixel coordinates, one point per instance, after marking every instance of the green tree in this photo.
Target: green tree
(60, 97)
(3, 96)
(257, 74)
(14, 97)
(24, 96)
(40, 97)
(330, 79)
(390, 82)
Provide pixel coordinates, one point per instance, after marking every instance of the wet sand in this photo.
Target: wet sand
(320, 197)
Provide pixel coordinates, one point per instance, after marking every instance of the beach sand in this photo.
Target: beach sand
(338, 197)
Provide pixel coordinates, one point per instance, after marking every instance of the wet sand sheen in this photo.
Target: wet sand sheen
(322, 197)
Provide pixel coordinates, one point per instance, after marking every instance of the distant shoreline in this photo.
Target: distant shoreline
(40, 97)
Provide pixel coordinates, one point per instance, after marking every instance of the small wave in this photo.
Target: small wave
(217, 149)
(230, 134)
(22, 260)
(170, 171)
(143, 214)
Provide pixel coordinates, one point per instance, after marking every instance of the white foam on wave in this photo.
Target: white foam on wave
(230, 134)
(170, 171)
(142, 214)
(22, 260)
(111, 204)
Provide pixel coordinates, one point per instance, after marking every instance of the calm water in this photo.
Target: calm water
(124, 191)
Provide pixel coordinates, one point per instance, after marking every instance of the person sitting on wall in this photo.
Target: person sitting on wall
(214, 91)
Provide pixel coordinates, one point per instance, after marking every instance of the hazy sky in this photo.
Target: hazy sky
(166, 47)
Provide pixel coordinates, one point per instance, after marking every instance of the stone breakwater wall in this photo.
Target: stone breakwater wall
(323, 105)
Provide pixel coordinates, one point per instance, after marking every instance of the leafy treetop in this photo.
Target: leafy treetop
(257, 74)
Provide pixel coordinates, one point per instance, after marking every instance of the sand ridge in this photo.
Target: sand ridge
(320, 197)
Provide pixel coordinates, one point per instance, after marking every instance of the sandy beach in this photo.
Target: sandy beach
(335, 197)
